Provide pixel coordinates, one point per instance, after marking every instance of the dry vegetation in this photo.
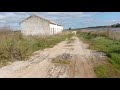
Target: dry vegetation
(115, 35)
(62, 59)
(14, 46)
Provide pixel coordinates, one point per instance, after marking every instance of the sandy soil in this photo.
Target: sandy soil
(40, 65)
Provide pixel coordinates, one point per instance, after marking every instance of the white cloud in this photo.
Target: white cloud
(68, 14)
(66, 18)
(7, 15)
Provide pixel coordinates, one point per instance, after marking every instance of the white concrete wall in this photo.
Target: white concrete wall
(35, 26)
(54, 29)
(60, 28)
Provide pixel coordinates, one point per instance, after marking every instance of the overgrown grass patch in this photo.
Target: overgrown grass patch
(110, 47)
(107, 71)
(16, 47)
(58, 61)
(62, 59)
(70, 40)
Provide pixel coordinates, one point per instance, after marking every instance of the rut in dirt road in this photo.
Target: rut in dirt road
(40, 65)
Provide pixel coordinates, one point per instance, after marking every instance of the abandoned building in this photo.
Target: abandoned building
(35, 25)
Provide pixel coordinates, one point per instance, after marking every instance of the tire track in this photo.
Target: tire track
(40, 65)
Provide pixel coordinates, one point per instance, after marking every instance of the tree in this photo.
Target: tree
(115, 25)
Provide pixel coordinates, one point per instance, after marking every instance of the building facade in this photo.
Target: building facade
(35, 25)
(54, 29)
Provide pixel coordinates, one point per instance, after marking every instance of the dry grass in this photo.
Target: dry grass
(14, 46)
(62, 59)
(109, 33)
(113, 35)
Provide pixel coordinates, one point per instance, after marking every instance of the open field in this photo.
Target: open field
(113, 33)
(59, 56)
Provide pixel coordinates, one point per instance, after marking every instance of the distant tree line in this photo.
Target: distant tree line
(95, 27)
(109, 26)
(115, 25)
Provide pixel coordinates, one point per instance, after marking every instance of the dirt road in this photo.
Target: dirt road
(40, 65)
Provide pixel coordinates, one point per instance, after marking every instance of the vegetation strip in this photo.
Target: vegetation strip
(16, 47)
(110, 47)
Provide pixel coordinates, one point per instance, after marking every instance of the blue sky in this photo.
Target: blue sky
(67, 19)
